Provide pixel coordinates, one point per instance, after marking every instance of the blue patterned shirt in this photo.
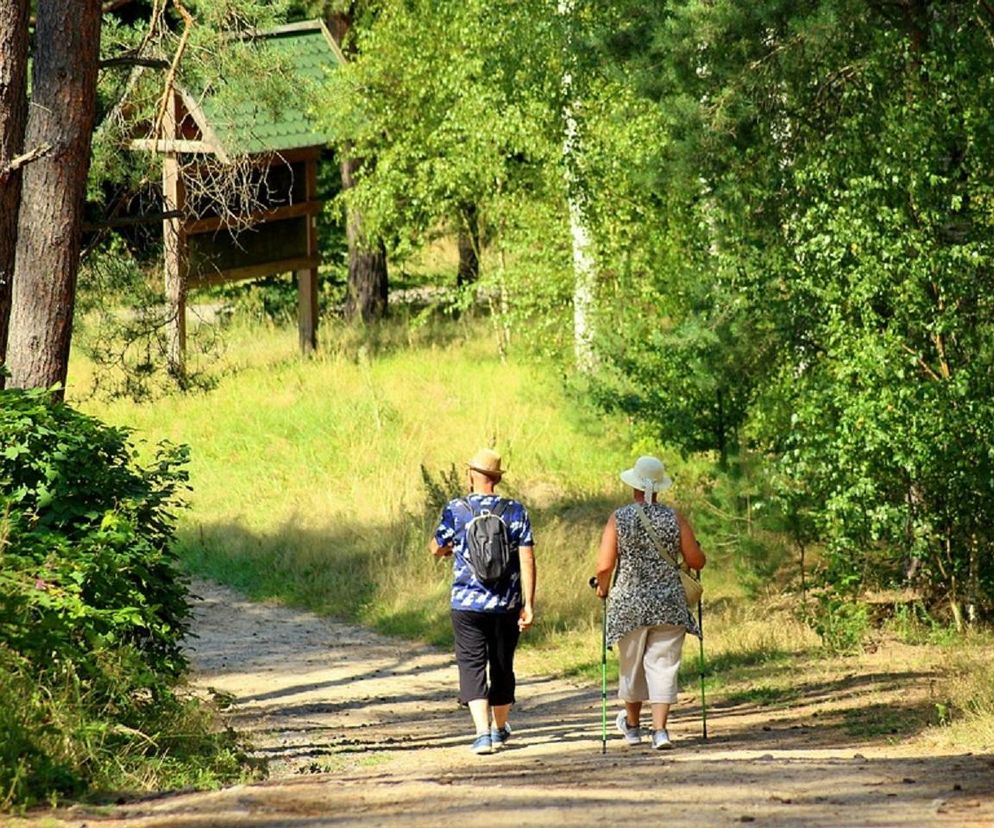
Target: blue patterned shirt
(467, 592)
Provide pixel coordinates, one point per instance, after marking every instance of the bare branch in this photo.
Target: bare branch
(114, 5)
(167, 94)
(132, 60)
(24, 159)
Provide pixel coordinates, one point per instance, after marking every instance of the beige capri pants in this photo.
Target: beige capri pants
(648, 663)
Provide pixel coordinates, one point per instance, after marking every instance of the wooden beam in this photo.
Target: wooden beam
(171, 145)
(200, 119)
(291, 155)
(287, 211)
(256, 271)
(127, 221)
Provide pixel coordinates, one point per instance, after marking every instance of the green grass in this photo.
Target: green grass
(308, 488)
(306, 473)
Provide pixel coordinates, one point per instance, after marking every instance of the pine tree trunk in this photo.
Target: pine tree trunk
(367, 283)
(64, 80)
(13, 114)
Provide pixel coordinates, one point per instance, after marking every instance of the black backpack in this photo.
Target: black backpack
(488, 548)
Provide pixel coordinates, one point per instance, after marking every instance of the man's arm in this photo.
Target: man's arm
(526, 554)
(446, 531)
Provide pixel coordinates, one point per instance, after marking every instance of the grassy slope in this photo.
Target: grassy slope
(307, 488)
(306, 473)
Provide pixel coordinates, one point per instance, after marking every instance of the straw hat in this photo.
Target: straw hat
(648, 474)
(486, 461)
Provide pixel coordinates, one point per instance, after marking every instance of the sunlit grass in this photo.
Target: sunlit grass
(306, 473)
(307, 487)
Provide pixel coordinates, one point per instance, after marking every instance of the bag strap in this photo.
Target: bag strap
(654, 536)
(501, 506)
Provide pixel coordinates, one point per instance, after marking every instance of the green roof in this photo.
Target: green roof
(308, 52)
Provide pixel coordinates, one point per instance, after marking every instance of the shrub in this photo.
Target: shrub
(84, 540)
(93, 610)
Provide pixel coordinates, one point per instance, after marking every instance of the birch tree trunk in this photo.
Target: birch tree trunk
(584, 264)
(13, 114)
(61, 113)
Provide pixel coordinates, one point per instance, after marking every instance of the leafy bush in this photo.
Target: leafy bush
(84, 540)
(842, 623)
(93, 610)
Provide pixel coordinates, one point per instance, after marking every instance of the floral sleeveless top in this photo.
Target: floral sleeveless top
(647, 590)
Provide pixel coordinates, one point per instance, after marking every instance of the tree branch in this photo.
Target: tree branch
(167, 95)
(24, 159)
(129, 60)
(922, 363)
(114, 5)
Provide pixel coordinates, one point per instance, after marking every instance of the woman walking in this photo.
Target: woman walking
(647, 614)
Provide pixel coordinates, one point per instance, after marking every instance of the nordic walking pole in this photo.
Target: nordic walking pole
(704, 706)
(593, 584)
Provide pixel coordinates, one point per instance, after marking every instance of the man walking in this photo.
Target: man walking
(493, 594)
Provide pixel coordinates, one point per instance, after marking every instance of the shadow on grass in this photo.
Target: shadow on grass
(381, 575)
(337, 572)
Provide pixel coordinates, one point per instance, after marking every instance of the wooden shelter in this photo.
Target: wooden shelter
(278, 150)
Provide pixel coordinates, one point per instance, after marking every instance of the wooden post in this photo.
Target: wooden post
(307, 279)
(173, 240)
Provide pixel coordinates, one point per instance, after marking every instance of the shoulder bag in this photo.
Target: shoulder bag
(691, 586)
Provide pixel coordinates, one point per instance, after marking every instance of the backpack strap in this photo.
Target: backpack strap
(500, 507)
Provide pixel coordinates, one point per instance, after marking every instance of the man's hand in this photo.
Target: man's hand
(525, 618)
(439, 551)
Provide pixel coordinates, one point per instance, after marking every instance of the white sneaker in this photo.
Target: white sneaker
(632, 734)
(661, 740)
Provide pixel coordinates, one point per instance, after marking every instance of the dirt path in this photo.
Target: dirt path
(362, 729)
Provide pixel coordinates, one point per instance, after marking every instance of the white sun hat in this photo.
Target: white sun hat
(648, 474)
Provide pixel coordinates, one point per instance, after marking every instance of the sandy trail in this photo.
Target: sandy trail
(363, 729)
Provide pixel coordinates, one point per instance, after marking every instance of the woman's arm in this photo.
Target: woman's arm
(607, 557)
(689, 547)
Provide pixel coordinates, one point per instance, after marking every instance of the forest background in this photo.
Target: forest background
(754, 238)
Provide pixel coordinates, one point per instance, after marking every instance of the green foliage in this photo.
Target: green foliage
(66, 738)
(93, 607)
(85, 539)
(455, 110)
(441, 488)
(821, 240)
(841, 622)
